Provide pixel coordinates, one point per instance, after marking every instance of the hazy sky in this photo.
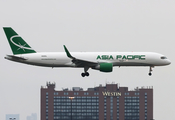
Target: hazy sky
(87, 25)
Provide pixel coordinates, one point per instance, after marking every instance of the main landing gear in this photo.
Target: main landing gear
(85, 72)
(150, 70)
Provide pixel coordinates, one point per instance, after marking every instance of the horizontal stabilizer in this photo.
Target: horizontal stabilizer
(12, 57)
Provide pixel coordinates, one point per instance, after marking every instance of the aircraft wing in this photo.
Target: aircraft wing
(80, 62)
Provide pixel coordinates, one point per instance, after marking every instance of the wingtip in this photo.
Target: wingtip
(65, 48)
(67, 52)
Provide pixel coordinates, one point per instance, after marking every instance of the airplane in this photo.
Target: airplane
(102, 61)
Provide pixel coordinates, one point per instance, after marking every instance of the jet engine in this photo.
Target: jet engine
(104, 67)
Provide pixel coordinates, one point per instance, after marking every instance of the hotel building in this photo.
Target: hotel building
(109, 102)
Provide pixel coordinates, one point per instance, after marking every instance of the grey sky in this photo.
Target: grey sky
(87, 25)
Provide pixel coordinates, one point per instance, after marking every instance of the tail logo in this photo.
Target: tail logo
(19, 44)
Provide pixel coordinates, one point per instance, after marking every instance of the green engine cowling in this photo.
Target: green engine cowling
(106, 67)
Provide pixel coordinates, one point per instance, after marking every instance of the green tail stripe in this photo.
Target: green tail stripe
(17, 44)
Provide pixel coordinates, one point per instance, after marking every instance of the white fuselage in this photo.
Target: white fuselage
(60, 59)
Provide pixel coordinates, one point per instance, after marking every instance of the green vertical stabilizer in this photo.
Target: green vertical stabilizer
(17, 44)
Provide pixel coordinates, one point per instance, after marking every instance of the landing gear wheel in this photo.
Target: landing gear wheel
(83, 74)
(87, 74)
(149, 74)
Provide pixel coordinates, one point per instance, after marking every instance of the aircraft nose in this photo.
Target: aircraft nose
(168, 62)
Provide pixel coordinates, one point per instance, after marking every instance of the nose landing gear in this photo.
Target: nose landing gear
(150, 70)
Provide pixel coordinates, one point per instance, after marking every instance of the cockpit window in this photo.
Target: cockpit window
(163, 57)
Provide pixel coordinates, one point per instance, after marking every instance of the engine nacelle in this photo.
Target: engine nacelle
(105, 67)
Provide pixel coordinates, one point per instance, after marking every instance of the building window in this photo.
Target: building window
(132, 107)
(66, 93)
(96, 93)
(137, 93)
(86, 93)
(55, 93)
(111, 108)
(105, 108)
(126, 93)
(75, 93)
(145, 106)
